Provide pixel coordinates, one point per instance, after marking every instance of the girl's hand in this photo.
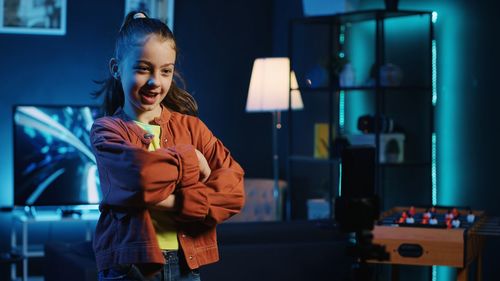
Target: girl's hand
(204, 168)
(166, 205)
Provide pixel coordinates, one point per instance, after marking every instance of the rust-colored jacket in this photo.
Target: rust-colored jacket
(133, 179)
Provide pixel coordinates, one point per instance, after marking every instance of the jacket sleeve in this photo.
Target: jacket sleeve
(222, 195)
(135, 177)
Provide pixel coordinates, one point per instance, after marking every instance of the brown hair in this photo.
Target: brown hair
(133, 30)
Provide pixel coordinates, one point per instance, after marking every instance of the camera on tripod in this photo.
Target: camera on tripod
(357, 209)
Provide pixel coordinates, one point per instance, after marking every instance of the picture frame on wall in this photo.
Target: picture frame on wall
(44, 17)
(160, 9)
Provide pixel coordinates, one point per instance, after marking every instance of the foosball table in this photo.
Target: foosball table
(434, 236)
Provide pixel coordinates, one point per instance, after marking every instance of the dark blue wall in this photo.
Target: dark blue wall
(218, 42)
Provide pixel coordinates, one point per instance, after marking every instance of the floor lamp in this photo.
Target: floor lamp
(271, 86)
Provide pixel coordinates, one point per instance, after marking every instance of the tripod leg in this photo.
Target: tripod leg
(394, 272)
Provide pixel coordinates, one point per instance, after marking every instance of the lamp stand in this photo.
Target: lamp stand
(276, 188)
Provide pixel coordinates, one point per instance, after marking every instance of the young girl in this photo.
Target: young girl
(166, 180)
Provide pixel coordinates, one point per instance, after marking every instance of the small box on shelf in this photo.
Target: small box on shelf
(391, 148)
(322, 140)
(317, 209)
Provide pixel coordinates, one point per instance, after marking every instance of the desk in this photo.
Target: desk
(27, 250)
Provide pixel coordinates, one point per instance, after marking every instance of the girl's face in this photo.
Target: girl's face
(146, 74)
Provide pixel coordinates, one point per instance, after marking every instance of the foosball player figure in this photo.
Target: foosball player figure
(455, 212)
(412, 211)
(470, 217)
(455, 222)
(425, 220)
(433, 210)
(427, 215)
(448, 218)
(402, 218)
(449, 215)
(433, 220)
(410, 219)
(448, 223)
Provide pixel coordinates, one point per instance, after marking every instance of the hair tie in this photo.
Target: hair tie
(139, 15)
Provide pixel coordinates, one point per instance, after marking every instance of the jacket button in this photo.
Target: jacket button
(165, 141)
(183, 235)
(190, 257)
(149, 136)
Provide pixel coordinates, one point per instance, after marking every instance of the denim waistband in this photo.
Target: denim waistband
(171, 256)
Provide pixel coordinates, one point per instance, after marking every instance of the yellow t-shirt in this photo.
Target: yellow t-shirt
(166, 232)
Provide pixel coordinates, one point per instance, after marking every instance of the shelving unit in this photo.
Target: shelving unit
(318, 48)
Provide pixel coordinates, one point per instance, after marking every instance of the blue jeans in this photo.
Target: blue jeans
(175, 269)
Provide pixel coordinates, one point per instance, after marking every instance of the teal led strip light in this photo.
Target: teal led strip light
(433, 175)
(340, 179)
(434, 74)
(434, 102)
(434, 141)
(341, 104)
(341, 93)
(341, 111)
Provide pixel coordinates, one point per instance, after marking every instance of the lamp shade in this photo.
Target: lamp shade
(270, 86)
(296, 97)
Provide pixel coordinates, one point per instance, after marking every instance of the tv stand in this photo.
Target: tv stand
(30, 211)
(21, 220)
(70, 213)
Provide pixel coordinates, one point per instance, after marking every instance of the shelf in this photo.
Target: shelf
(315, 90)
(386, 88)
(367, 88)
(359, 16)
(405, 164)
(298, 158)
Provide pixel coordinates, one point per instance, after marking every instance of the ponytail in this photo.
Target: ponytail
(179, 100)
(112, 91)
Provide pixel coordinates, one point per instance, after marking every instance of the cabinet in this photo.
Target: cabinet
(375, 64)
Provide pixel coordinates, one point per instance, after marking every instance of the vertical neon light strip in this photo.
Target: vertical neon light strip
(341, 103)
(434, 141)
(434, 102)
(341, 93)
(341, 111)
(341, 126)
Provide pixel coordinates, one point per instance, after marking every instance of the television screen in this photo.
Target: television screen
(53, 162)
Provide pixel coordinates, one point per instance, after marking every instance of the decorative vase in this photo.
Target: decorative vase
(347, 77)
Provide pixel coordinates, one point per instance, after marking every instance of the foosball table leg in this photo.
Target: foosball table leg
(479, 270)
(463, 273)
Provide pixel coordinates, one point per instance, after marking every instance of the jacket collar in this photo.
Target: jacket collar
(142, 134)
(162, 119)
